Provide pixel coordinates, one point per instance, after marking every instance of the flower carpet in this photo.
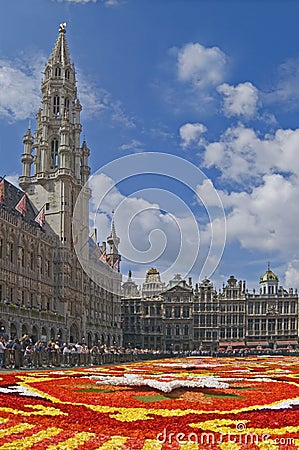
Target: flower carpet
(183, 403)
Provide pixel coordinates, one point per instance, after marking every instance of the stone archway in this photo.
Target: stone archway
(74, 333)
(89, 339)
(13, 331)
(52, 334)
(34, 334)
(60, 335)
(44, 335)
(3, 330)
(24, 330)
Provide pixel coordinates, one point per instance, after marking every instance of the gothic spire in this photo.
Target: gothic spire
(55, 165)
(113, 240)
(60, 54)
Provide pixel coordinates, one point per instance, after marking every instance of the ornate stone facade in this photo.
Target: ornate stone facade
(44, 291)
(184, 318)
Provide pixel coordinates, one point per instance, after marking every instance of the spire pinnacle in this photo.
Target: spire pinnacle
(113, 239)
(62, 27)
(60, 54)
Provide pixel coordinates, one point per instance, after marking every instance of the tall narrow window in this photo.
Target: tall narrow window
(11, 252)
(1, 247)
(57, 72)
(22, 257)
(54, 152)
(67, 74)
(56, 105)
(67, 106)
(31, 259)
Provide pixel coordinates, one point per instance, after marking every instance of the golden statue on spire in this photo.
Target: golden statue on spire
(62, 27)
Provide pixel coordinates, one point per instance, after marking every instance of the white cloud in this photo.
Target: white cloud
(20, 87)
(150, 232)
(113, 2)
(190, 134)
(20, 92)
(118, 115)
(240, 100)
(77, 1)
(96, 100)
(83, 2)
(13, 179)
(242, 155)
(292, 274)
(133, 146)
(259, 219)
(200, 65)
(286, 90)
(264, 216)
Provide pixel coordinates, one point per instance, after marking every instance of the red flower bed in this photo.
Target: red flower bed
(191, 403)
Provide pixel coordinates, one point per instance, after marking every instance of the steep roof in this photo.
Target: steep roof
(12, 195)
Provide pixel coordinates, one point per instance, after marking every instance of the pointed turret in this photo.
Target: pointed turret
(60, 54)
(113, 258)
(27, 157)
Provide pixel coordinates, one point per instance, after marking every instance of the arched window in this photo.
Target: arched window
(67, 74)
(57, 72)
(1, 247)
(67, 106)
(56, 105)
(54, 152)
(32, 259)
(22, 256)
(11, 251)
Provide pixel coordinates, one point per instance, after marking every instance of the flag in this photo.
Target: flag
(2, 190)
(40, 218)
(97, 252)
(104, 257)
(21, 206)
(116, 265)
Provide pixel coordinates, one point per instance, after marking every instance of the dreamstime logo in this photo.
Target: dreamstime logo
(177, 223)
(239, 436)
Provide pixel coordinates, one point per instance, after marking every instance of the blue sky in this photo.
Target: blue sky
(215, 83)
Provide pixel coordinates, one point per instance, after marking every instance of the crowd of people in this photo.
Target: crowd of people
(24, 354)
